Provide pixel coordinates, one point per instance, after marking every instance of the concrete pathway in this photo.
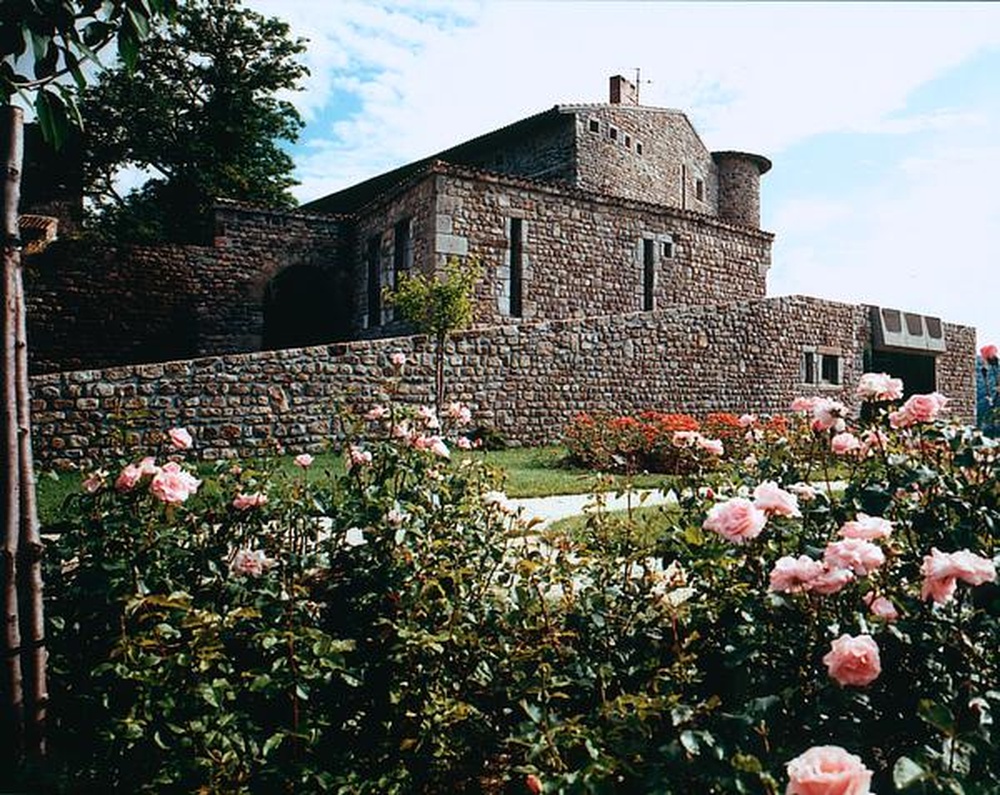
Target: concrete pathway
(552, 509)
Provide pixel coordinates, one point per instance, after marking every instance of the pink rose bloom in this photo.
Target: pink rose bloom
(426, 413)
(845, 443)
(775, 501)
(989, 353)
(95, 480)
(173, 485)
(853, 661)
(459, 413)
(828, 414)
(804, 404)
(828, 770)
(148, 467)
(942, 570)
(533, 783)
(180, 438)
(919, 408)
(250, 563)
(244, 502)
(129, 477)
(860, 556)
(830, 580)
(685, 438)
(713, 446)
(737, 520)
(747, 420)
(377, 413)
(866, 527)
(398, 359)
(463, 443)
(803, 491)
(356, 456)
(881, 607)
(794, 575)
(879, 386)
(303, 460)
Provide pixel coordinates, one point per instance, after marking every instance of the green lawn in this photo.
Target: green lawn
(531, 472)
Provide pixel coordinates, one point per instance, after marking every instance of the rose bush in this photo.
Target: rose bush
(398, 628)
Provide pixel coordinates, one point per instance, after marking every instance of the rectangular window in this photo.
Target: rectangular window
(638, 147)
(595, 126)
(830, 368)
(628, 141)
(808, 367)
(516, 266)
(402, 248)
(648, 273)
(613, 133)
(374, 281)
(668, 249)
(699, 189)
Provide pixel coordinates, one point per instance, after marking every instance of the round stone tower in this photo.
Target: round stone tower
(739, 186)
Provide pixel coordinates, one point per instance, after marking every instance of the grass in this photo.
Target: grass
(530, 472)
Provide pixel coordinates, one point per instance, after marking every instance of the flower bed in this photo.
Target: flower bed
(397, 629)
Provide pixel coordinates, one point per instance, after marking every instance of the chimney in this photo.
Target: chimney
(623, 92)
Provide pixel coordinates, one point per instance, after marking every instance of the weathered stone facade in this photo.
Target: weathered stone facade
(624, 270)
(526, 380)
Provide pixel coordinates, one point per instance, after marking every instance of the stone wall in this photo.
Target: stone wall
(655, 156)
(96, 307)
(526, 380)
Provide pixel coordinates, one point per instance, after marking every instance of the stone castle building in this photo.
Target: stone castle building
(624, 269)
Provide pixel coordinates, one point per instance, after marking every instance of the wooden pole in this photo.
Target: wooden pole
(12, 736)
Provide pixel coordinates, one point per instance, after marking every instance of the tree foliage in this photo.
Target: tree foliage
(43, 41)
(203, 112)
(438, 306)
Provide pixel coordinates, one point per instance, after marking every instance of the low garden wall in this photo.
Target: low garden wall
(525, 380)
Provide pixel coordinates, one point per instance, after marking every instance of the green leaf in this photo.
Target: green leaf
(937, 715)
(906, 773)
(272, 743)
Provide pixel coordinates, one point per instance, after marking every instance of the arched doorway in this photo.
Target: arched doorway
(302, 307)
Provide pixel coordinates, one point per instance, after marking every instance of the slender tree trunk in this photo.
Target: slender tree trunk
(24, 638)
(10, 478)
(439, 373)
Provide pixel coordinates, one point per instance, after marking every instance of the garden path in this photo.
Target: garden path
(552, 509)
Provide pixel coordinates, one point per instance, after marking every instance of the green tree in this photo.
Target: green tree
(43, 44)
(202, 112)
(438, 305)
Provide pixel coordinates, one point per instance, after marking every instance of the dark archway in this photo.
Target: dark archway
(302, 306)
(917, 370)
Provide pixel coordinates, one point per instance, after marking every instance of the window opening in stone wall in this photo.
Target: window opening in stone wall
(830, 368)
(808, 367)
(516, 266)
(613, 133)
(699, 189)
(638, 147)
(595, 126)
(298, 305)
(668, 249)
(402, 248)
(374, 282)
(628, 141)
(648, 272)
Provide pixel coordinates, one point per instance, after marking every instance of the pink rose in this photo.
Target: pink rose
(713, 446)
(463, 443)
(860, 556)
(398, 359)
(942, 570)
(430, 420)
(180, 438)
(794, 575)
(747, 420)
(774, 500)
(803, 491)
(881, 607)
(853, 661)
(804, 404)
(872, 440)
(830, 580)
(244, 502)
(828, 414)
(173, 485)
(879, 386)
(459, 413)
(845, 443)
(533, 783)
(919, 408)
(129, 477)
(737, 520)
(95, 480)
(356, 456)
(304, 460)
(685, 438)
(250, 563)
(828, 770)
(989, 353)
(867, 528)
(376, 413)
